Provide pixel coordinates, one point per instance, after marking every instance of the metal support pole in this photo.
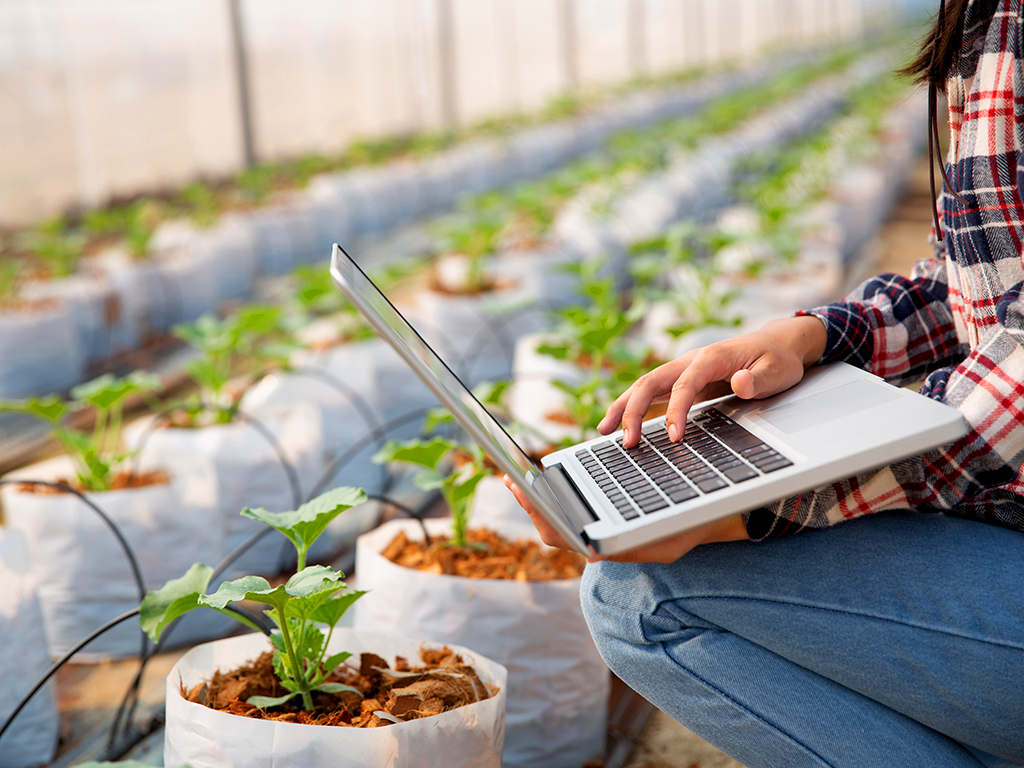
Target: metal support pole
(637, 31)
(570, 50)
(242, 73)
(446, 62)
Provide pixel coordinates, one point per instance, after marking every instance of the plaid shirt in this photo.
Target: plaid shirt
(958, 322)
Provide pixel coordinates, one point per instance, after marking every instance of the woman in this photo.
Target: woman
(896, 638)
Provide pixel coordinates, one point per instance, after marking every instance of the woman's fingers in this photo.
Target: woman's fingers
(548, 534)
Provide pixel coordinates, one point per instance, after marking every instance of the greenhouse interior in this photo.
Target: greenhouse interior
(232, 500)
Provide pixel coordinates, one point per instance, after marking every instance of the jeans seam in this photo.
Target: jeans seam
(859, 614)
(740, 706)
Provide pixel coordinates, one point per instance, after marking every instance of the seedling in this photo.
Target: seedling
(457, 486)
(55, 246)
(473, 232)
(248, 340)
(10, 281)
(313, 595)
(97, 455)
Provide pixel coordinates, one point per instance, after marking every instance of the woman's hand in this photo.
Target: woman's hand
(754, 365)
(665, 551)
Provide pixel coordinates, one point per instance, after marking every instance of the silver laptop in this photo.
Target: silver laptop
(736, 455)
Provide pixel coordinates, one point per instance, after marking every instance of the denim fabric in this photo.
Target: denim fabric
(892, 640)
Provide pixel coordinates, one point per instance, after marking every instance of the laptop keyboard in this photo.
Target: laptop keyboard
(715, 453)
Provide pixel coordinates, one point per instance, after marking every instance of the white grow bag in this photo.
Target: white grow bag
(195, 735)
(248, 473)
(28, 367)
(83, 575)
(32, 738)
(557, 683)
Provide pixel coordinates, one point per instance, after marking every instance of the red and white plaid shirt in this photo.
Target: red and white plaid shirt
(957, 323)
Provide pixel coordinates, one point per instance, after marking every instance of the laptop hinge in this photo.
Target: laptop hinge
(569, 498)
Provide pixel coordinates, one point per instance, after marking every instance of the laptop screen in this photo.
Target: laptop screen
(378, 310)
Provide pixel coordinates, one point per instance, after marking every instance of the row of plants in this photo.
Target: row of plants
(123, 301)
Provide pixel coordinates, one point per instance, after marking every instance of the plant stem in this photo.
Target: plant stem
(289, 646)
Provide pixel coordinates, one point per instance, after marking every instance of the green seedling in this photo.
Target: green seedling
(200, 203)
(57, 247)
(314, 595)
(11, 272)
(457, 486)
(97, 455)
(245, 343)
(473, 232)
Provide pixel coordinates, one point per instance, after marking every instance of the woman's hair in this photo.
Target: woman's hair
(940, 48)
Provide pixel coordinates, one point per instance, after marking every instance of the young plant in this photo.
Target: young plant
(97, 455)
(313, 595)
(10, 281)
(473, 233)
(457, 486)
(242, 343)
(53, 244)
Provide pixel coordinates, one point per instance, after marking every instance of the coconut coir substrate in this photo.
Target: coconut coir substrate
(404, 693)
(490, 556)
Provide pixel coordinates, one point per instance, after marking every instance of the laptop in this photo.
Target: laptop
(736, 455)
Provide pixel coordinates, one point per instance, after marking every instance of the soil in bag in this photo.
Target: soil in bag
(489, 556)
(123, 481)
(443, 682)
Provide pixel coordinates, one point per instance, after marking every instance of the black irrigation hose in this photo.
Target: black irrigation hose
(416, 514)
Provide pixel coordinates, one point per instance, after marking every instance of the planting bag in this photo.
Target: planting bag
(198, 736)
(28, 367)
(82, 573)
(557, 683)
(248, 471)
(32, 738)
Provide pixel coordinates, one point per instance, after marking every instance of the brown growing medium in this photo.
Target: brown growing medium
(444, 682)
(123, 481)
(494, 557)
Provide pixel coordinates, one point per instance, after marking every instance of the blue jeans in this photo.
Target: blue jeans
(894, 641)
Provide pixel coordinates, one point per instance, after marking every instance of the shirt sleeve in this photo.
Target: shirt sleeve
(978, 476)
(898, 328)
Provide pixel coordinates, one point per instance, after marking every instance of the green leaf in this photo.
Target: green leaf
(428, 480)
(467, 488)
(307, 582)
(417, 452)
(333, 662)
(108, 390)
(330, 613)
(337, 688)
(263, 702)
(304, 525)
(51, 408)
(175, 598)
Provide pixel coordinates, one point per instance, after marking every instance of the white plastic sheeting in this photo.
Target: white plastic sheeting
(557, 682)
(32, 738)
(82, 574)
(470, 736)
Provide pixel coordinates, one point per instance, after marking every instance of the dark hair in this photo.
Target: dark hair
(936, 57)
(940, 48)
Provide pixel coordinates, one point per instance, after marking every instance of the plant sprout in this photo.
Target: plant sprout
(249, 338)
(97, 454)
(10, 281)
(313, 595)
(57, 248)
(457, 486)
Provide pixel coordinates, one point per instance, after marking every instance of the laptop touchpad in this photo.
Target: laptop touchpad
(823, 407)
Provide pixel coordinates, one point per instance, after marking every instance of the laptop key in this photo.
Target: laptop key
(712, 483)
(779, 463)
(740, 473)
(682, 494)
(654, 505)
